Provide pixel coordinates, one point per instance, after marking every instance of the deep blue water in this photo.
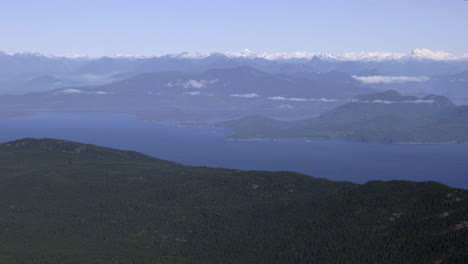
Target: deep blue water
(336, 160)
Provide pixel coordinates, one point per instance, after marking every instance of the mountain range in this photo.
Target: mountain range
(387, 117)
(222, 93)
(85, 70)
(67, 202)
(196, 87)
(454, 86)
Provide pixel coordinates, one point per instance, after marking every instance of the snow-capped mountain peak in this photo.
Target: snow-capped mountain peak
(372, 56)
(188, 55)
(417, 54)
(427, 54)
(245, 53)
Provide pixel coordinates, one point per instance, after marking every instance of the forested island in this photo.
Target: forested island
(386, 117)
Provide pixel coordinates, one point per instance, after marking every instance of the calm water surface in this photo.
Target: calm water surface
(336, 160)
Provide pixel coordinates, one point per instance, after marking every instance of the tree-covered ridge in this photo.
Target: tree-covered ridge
(66, 202)
(387, 117)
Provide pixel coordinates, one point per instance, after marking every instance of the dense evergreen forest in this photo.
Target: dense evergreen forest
(64, 202)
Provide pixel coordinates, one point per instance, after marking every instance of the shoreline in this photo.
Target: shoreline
(308, 140)
(185, 124)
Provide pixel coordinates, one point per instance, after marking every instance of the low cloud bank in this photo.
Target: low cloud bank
(196, 84)
(325, 100)
(192, 93)
(249, 95)
(390, 79)
(76, 91)
(293, 99)
(393, 102)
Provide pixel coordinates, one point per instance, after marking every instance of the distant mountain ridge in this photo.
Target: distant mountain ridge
(416, 54)
(387, 117)
(420, 72)
(216, 92)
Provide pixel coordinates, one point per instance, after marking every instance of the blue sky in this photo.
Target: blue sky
(144, 27)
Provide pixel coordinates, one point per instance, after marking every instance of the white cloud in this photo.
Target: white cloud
(70, 91)
(286, 106)
(390, 79)
(380, 102)
(192, 93)
(354, 100)
(76, 91)
(278, 98)
(419, 101)
(423, 102)
(293, 99)
(196, 84)
(325, 100)
(249, 95)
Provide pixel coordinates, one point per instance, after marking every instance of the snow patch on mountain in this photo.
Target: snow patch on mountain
(427, 54)
(417, 54)
(372, 56)
(187, 55)
(245, 53)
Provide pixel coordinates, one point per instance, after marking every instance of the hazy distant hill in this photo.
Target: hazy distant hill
(66, 202)
(106, 66)
(41, 83)
(223, 92)
(94, 71)
(382, 117)
(454, 86)
(36, 63)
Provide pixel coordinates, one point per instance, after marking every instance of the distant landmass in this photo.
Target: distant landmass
(66, 202)
(418, 73)
(454, 86)
(216, 93)
(387, 117)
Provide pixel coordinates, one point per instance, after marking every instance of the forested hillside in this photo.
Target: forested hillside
(65, 202)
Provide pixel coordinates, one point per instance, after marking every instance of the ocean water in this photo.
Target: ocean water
(204, 146)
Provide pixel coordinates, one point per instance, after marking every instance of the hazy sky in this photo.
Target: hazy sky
(151, 27)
